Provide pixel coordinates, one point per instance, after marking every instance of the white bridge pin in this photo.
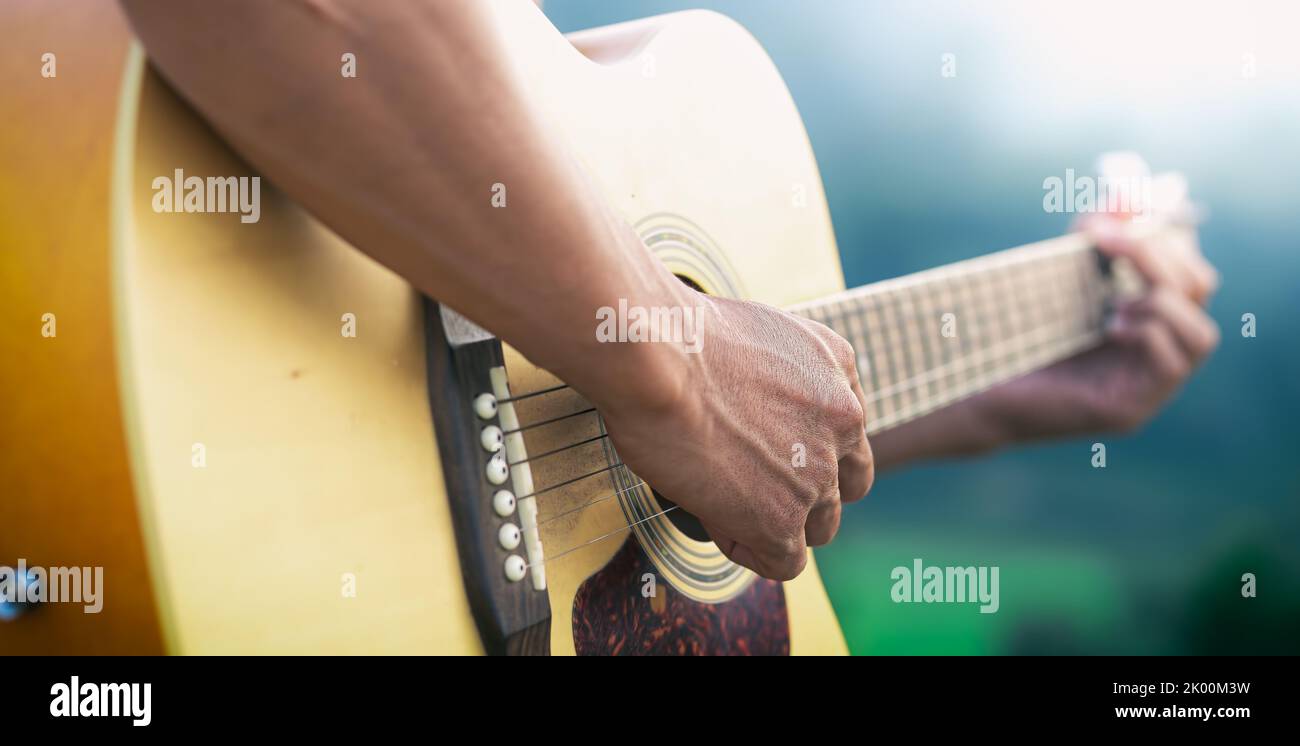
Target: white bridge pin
(485, 406)
(509, 536)
(503, 502)
(515, 568)
(497, 470)
(492, 438)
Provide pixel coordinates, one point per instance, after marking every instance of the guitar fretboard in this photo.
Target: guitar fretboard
(932, 338)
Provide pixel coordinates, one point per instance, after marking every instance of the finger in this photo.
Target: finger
(857, 472)
(845, 356)
(1156, 267)
(1205, 278)
(1157, 342)
(823, 522)
(1171, 249)
(784, 563)
(855, 383)
(858, 465)
(1194, 330)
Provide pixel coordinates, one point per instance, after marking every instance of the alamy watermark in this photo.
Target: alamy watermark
(950, 585)
(89, 699)
(181, 193)
(32, 585)
(683, 325)
(1128, 194)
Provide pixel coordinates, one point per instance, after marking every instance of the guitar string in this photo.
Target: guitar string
(567, 482)
(586, 505)
(531, 394)
(553, 452)
(1057, 318)
(978, 266)
(940, 279)
(548, 421)
(600, 538)
(904, 315)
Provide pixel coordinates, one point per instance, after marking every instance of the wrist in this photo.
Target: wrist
(626, 355)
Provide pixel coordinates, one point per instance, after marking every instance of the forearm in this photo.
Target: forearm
(968, 428)
(401, 161)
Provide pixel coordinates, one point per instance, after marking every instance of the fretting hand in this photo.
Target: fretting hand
(1153, 343)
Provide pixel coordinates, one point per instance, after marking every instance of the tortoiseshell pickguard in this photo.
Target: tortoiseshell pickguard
(612, 617)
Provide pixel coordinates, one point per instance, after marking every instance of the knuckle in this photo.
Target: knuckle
(830, 494)
(789, 564)
(846, 408)
(791, 545)
(788, 514)
(806, 498)
(821, 479)
(782, 551)
(828, 473)
(843, 351)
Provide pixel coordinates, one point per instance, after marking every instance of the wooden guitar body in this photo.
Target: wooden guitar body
(277, 486)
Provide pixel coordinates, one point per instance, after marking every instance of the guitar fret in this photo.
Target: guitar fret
(930, 331)
(976, 326)
(955, 346)
(911, 336)
(939, 301)
(1019, 308)
(898, 339)
(858, 338)
(917, 328)
(1062, 304)
(1003, 290)
(888, 374)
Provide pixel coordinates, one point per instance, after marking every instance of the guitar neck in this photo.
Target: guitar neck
(929, 339)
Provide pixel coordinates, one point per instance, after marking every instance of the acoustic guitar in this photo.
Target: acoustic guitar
(257, 479)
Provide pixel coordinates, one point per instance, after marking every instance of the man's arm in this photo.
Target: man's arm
(401, 162)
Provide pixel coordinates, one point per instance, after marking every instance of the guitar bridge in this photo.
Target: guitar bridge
(489, 488)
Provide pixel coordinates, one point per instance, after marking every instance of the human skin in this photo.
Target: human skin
(405, 177)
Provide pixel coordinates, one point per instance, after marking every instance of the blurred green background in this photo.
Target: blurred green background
(1146, 555)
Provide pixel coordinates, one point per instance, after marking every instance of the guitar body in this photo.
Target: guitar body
(276, 486)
